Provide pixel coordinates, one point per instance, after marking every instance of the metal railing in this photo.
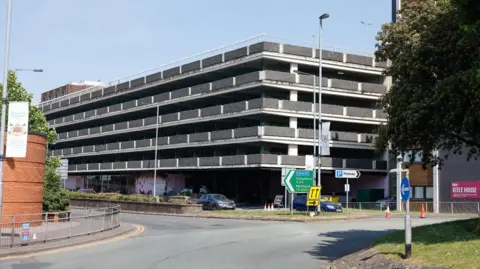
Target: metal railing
(27, 229)
(451, 208)
(199, 56)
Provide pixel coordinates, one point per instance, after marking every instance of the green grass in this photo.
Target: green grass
(451, 244)
(261, 213)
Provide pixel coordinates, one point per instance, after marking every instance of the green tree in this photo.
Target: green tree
(36, 119)
(54, 198)
(434, 102)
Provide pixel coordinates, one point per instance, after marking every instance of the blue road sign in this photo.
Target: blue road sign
(405, 189)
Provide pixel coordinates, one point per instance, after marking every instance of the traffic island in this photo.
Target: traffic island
(278, 215)
(447, 245)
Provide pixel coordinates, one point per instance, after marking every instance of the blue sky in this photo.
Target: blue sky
(74, 40)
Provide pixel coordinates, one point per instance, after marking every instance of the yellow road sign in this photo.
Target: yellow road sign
(314, 193)
(312, 202)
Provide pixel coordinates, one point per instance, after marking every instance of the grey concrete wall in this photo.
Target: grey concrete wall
(95, 130)
(359, 112)
(221, 135)
(79, 116)
(297, 50)
(62, 135)
(119, 165)
(144, 101)
(199, 137)
(110, 90)
(168, 163)
(171, 72)
(129, 104)
(344, 136)
(115, 107)
(83, 132)
(143, 143)
(134, 164)
(233, 160)
(211, 111)
(113, 146)
(262, 159)
(332, 109)
(88, 148)
(308, 80)
(154, 77)
(102, 110)
(180, 93)
(58, 120)
(68, 118)
(345, 84)
(90, 113)
(357, 59)
(278, 131)
(187, 162)
(127, 144)
(178, 139)
(93, 166)
(305, 133)
(161, 97)
(85, 97)
(264, 46)
(149, 163)
(210, 161)
(247, 78)
(246, 132)
(67, 151)
(297, 106)
(374, 88)
(161, 141)
(77, 150)
(101, 147)
(235, 54)
(169, 117)
(135, 123)
(72, 134)
(191, 67)
(234, 107)
(123, 86)
(82, 167)
(279, 76)
(64, 103)
(55, 105)
(150, 121)
(121, 125)
(72, 167)
(189, 114)
(202, 88)
(213, 60)
(380, 114)
(96, 94)
(330, 55)
(137, 82)
(293, 160)
(74, 100)
(106, 166)
(222, 84)
(368, 138)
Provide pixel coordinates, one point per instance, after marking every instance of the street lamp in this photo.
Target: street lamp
(366, 30)
(4, 99)
(36, 70)
(321, 18)
(314, 113)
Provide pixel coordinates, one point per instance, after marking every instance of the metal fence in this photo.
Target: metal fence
(27, 229)
(452, 208)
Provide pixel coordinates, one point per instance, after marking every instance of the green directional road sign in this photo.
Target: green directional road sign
(298, 181)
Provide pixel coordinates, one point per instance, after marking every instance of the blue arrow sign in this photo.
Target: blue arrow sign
(405, 189)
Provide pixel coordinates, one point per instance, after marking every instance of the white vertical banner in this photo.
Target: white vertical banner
(17, 130)
(325, 139)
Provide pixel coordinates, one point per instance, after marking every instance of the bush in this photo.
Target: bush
(115, 197)
(54, 197)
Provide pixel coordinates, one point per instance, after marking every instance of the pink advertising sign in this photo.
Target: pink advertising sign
(465, 190)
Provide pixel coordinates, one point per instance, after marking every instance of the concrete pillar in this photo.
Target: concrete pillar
(293, 150)
(292, 123)
(293, 67)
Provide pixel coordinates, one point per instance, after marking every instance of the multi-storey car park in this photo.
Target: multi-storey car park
(230, 122)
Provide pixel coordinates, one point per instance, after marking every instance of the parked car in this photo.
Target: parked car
(86, 191)
(390, 200)
(299, 204)
(214, 201)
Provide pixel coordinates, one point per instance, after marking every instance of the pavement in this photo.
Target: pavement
(173, 242)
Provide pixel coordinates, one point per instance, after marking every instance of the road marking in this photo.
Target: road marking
(139, 229)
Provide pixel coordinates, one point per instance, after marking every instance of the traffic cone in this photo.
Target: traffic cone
(422, 213)
(265, 207)
(272, 208)
(387, 212)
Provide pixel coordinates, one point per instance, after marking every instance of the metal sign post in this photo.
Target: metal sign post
(347, 174)
(347, 190)
(405, 192)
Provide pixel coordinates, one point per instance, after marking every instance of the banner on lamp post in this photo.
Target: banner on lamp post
(17, 130)
(325, 139)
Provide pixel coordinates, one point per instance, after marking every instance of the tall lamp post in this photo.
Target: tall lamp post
(321, 18)
(366, 30)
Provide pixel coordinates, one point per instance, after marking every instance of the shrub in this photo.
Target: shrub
(54, 197)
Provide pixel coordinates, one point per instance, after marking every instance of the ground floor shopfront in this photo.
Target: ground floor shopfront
(242, 185)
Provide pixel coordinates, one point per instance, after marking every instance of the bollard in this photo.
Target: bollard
(451, 205)
(89, 221)
(46, 227)
(69, 224)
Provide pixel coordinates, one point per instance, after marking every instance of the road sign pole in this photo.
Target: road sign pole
(348, 186)
(408, 232)
(291, 204)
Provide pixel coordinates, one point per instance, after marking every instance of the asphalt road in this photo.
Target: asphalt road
(176, 242)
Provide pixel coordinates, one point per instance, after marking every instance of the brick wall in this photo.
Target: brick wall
(23, 181)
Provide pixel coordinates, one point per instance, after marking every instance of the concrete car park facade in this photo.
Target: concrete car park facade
(230, 121)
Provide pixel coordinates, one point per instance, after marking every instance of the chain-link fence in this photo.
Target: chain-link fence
(26, 229)
(452, 208)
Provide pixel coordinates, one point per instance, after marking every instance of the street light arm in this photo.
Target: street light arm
(36, 70)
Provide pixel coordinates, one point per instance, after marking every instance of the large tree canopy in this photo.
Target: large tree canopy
(434, 101)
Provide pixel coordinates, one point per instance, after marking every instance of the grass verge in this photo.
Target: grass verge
(273, 215)
(453, 244)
